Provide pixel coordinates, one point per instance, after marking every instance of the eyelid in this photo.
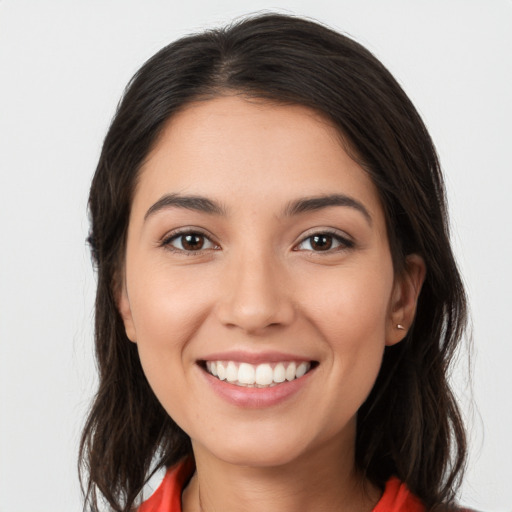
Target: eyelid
(343, 238)
(166, 240)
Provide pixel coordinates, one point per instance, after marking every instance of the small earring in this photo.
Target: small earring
(400, 326)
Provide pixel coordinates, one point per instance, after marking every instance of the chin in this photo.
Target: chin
(258, 451)
(258, 458)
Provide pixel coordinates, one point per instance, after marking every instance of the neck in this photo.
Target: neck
(313, 482)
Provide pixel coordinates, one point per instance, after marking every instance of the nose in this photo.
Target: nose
(257, 296)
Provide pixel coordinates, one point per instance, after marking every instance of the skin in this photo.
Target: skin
(260, 284)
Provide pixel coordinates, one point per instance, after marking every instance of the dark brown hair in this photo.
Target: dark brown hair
(410, 425)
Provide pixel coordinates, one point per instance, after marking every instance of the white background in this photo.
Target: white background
(63, 66)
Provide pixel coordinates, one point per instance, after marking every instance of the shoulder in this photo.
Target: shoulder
(398, 498)
(167, 497)
(455, 508)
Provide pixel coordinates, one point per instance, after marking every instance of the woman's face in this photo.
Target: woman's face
(257, 251)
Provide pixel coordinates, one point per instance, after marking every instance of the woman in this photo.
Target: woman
(277, 298)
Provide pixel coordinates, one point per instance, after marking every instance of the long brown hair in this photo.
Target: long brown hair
(410, 425)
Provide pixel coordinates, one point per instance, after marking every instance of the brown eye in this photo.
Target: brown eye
(189, 242)
(324, 242)
(192, 242)
(321, 242)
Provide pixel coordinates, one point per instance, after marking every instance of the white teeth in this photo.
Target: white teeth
(290, 371)
(301, 370)
(231, 372)
(261, 375)
(246, 374)
(221, 371)
(264, 375)
(279, 373)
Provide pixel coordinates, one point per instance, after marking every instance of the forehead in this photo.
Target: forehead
(243, 152)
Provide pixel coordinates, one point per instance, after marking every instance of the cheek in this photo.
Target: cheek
(167, 306)
(351, 316)
(167, 311)
(352, 303)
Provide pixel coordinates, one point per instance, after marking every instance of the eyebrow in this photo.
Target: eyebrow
(196, 203)
(307, 204)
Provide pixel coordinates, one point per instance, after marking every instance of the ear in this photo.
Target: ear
(124, 308)
(406, 291)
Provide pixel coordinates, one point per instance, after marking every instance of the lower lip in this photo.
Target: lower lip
(256, 398)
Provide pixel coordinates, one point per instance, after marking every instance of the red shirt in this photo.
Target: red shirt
(167, 498)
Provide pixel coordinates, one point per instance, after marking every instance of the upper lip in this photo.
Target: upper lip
(254, 357)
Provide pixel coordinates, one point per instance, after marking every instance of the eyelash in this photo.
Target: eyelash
(343, 242)
(167, 242)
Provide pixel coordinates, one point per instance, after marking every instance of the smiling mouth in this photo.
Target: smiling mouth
(263, 375)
